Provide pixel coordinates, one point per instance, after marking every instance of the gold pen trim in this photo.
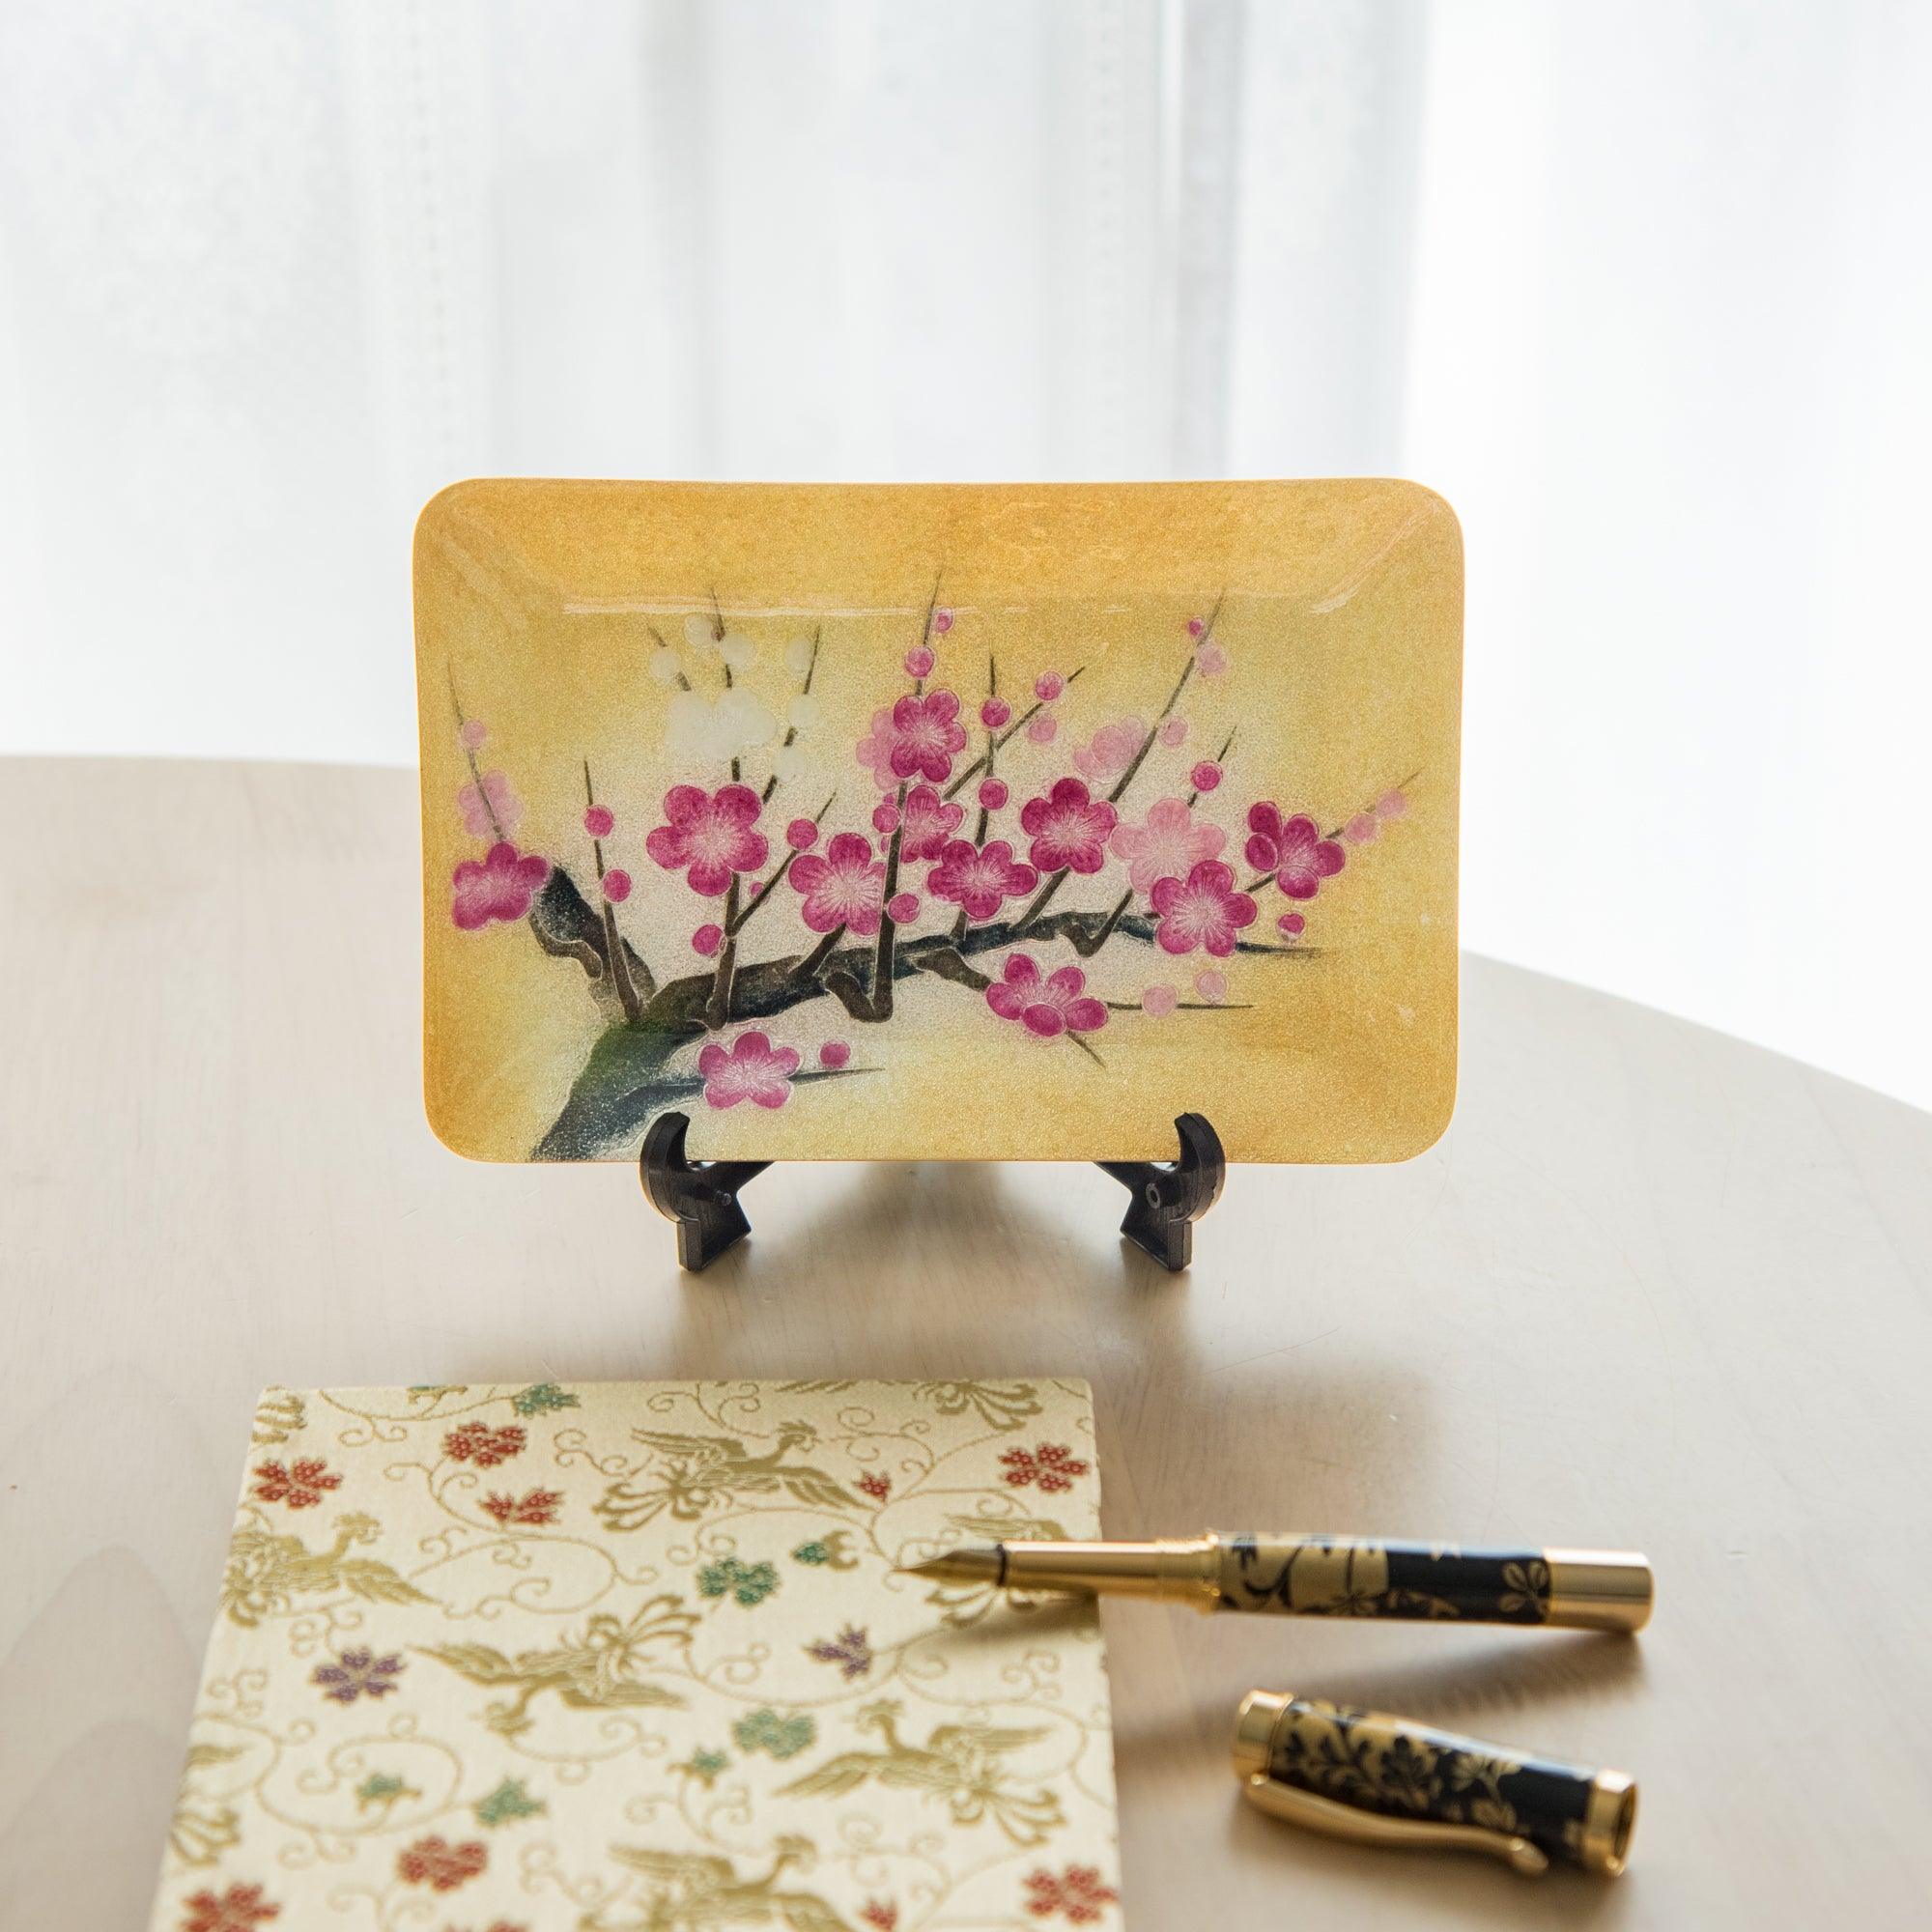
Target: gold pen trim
(1316, 1814)
(1600, 1589)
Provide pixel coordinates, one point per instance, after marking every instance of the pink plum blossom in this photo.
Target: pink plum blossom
(1168, 844)
(1049, 686)
(751, 1068)
(490, 809)
(885, 818)
(834, 1054)
(802, 834)
(918, 661)
(994, 712)
(846, 887)
(1203, 910)
(1173, 733)
(1196, 629)
(942, 622)
(1294, 850)
(1157, 1002)
(1212, 986)
(927, 823)
(709, 836)
(992, 794)
(1041, 730)
(707, 939)
(1391, 804)
(1046, 1008)
(600, 821)
(617, 885)
(1361, 828)
(917, 737)
(1210, 660)
(1205, 775)
(1112, 749)
(473, 734)
(980, 878)
(1068, 828)
(903, 908)
(501, 886)
(1291, 924)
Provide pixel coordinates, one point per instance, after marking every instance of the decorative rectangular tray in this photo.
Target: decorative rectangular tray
(971, 822)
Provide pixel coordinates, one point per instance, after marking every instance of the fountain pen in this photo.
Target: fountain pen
(1325, 1576)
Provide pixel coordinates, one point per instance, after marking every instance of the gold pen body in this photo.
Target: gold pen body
(1328, 1575)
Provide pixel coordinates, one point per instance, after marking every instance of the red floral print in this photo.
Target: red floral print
(1076, 1895)
(436, 1863)
(501, 887)
(1292, 849)
(876, 1486)
(927, 823)
(846, 887)
(1070, 829)
(980, 879)
(880, 1916)
(1203, 910)
(751, 1068)
(238, 1909)
(1053, 1466)
(478, 1442)
(301, 1484)
(708, 835)
(1046, 1008)
(535, 1506)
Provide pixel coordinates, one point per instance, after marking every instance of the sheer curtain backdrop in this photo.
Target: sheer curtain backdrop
(1644, 291)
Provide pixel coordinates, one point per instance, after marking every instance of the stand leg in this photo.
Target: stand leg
(701, 1197)
(1169, 1196)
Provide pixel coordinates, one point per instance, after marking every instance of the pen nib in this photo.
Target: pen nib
(972, 1563)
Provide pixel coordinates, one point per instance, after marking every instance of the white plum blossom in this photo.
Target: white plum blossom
(719, 728)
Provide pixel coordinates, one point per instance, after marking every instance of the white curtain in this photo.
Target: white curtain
(1643, 289)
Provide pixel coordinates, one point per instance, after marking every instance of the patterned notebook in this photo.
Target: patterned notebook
(635, 1657)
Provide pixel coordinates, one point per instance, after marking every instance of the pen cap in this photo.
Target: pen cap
(1387, 1781)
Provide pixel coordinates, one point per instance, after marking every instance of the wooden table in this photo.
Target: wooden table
(1656, 1289)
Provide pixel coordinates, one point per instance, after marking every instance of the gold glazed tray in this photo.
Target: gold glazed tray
(969, 822)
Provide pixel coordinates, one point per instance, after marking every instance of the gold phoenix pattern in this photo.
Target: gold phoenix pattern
(636, 1657)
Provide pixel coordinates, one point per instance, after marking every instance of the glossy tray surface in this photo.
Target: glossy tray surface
(971, 822)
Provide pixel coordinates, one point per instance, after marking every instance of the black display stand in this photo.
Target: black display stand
(701, 1197)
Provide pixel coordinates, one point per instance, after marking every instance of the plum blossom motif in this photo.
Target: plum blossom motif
(1068, 828)
(1112, 749)
(238, 1908)
(1168, 844)
(876, 1486)
(1203, 910)
(1046, 1007)
(846, 887)
(1294, 850)
(436, 1863)
(714, 730)
(358, 1673)
(927, 823)
(980, 878)
(917, 737)
(709, 836)
(490, 806)
(501, 886)
(751, 1068)
(1077, 1895)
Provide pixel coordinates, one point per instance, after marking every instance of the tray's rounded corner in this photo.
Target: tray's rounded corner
(437, 513)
